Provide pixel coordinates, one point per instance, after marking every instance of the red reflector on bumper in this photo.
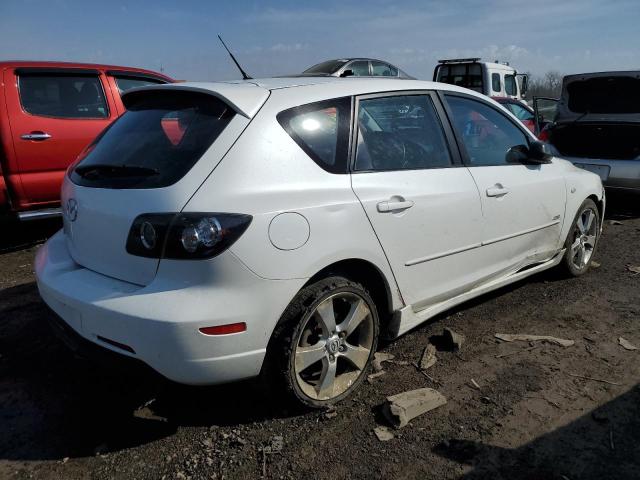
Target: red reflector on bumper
(224, 329)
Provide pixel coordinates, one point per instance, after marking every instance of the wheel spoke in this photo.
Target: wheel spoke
(307, 356)
(327, 379)
(580, 256)
(327, 316)
(357, 355)
(591, 240)
(588, 221)
(575, 246)
(357, 313)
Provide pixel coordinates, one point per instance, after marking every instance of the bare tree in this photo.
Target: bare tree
(549, 85)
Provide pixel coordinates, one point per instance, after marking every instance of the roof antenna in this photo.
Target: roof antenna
(244, 74)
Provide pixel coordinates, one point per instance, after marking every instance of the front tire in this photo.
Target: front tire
(582, 240)
(324, 343)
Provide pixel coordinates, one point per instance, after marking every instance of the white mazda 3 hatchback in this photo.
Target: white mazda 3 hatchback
(279, 227)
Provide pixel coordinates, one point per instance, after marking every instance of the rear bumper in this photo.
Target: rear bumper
(615, 174)
(158, 324)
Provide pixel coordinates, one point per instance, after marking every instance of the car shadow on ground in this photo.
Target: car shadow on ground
(56, 405)
(603, 443)
(20, 235)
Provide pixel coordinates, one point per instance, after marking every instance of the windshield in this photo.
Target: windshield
(327, 68)
(468, 75)
(605, 95)
(155, 143)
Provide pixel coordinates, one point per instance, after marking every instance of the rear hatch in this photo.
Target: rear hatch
(150, 160)
(599, 116)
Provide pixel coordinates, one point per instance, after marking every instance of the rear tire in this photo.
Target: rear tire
(582, 240)
(324, 343)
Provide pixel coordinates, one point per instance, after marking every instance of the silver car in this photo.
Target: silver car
(355, 67)
(596, 125)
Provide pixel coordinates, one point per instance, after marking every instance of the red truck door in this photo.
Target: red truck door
(53, 113)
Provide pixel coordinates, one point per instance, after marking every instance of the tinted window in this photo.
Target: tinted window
(126, 83)
(520, 112)
(487, 134)
(322, 131)
(63, 96)
(400, 133)
(328, 67)
(383, 69)
(155, 143)
(510, 84)
(359, 68)
(468, 75)
(495, 82)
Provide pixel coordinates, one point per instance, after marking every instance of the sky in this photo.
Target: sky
(280, 37)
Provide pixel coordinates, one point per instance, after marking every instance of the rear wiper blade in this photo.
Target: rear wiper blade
(104, 169)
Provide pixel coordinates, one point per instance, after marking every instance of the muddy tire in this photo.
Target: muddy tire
(323, 344)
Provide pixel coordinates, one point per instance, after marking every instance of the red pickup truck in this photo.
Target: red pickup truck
(49, 111)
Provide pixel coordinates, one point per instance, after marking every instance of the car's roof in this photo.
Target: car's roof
(8, 64)
(247, 96)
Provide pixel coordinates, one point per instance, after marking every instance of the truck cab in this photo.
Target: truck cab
(493, 79)
(49, 112)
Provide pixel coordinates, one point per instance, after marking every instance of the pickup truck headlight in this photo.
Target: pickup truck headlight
(185, 235)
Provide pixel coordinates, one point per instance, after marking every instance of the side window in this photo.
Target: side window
(380, 69)
(486, 133)
(495, 82)
(63, 96)
(360, 68)
(322, 130)
(400, 133)
(127, 83)
(510, 84)
(521, 113)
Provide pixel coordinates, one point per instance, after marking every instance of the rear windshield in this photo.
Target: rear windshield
(327, 67)
(155, 143)
(468, 75)
(605, 95)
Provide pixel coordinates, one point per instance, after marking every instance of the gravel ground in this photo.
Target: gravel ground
(535, 416)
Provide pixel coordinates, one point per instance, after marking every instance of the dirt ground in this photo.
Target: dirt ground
(536, 415)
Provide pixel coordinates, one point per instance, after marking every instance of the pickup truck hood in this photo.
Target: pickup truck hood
(600, 98)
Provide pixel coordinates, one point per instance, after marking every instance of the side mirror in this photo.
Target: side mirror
(518, 154)
(525, 85)
(347, 73)
(536, 153)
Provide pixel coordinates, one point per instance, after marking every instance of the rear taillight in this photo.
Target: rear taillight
(185, 235)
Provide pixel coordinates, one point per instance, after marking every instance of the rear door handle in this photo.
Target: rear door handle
(37, 136)
(497, 191)
(393, 206)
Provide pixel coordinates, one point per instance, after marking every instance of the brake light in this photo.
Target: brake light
(185, 235)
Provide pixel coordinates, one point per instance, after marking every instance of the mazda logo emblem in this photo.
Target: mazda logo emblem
(72, 209)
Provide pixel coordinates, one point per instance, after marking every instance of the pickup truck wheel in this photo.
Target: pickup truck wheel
(324, 342)
(582, 240)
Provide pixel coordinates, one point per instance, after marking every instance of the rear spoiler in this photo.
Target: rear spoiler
(245, 98)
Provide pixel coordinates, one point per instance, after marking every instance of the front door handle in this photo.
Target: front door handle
(497, 191)
(37, 136)
(394, 206)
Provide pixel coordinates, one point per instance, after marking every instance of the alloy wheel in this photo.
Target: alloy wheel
(334, 346)
(584, 238)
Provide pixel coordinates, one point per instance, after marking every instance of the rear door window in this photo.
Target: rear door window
(62, 96)
(155, 143)
(381, 69)
(400, 133)
(322, 130)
